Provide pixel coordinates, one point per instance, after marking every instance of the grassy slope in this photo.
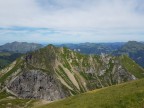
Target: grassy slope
(6, 58)
(7, 102)
(118, 96)
(3, 63)
(132, 67)
(5, 76)
(127, 95)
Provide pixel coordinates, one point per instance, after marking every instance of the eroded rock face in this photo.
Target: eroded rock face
(37, 84)
(52, 74)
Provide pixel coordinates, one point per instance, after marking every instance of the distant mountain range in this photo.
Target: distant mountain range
(11, 51)
(133, 49)
(20, 47)
(94, 48)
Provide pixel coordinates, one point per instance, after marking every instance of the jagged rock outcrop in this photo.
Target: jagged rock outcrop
(37, 84)
(52, 73)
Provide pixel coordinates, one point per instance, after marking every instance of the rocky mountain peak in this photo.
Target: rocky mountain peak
(53, 73)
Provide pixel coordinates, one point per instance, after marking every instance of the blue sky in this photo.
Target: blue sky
(67, 21)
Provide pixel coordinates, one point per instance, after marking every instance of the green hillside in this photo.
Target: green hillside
(135, 50)
(53, 73)
(9, 52)
(7, 58)
(131, 66)
(9, 101)
(127, 95)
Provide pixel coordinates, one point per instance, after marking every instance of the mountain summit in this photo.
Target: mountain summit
(53, 73)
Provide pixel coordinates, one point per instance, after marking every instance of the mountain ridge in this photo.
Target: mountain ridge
(52, 73)
(134, 49)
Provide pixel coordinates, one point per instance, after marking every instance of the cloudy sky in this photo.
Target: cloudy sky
(65, 21)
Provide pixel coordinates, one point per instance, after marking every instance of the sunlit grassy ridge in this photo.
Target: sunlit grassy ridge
(132, 67)
(127, 95)
(74, 70)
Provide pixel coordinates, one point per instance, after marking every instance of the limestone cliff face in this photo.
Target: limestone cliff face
(37, 84)
(53, 73)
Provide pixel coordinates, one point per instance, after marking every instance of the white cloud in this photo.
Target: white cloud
(78, 19)
(70, 13)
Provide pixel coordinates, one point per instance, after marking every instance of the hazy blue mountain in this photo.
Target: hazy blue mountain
(134, 50)
(20, 47)
(11, 51)
(94, 48)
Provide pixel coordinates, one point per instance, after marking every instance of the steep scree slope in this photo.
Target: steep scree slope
(53, 73)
